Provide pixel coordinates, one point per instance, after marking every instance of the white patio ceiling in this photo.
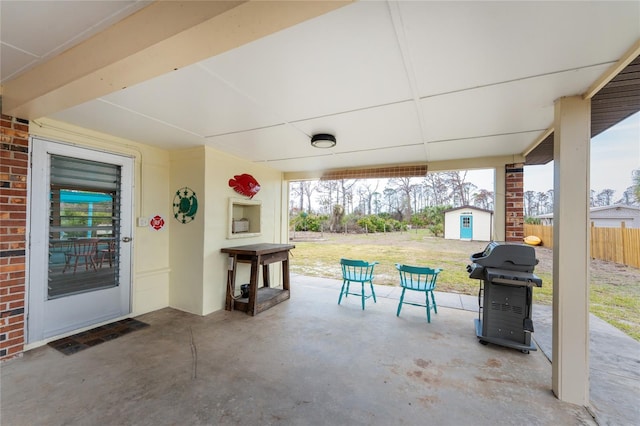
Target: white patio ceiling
(395, 82)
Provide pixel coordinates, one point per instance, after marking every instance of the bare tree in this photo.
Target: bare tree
(436, 189)
(468, 188)
(417, 195)
(549, 206)
(391, 197)
(483, 199)
(628, 197)
(605, 197)
(542, 200)
(309, 188)
(376, 202)
(327, 189)
(346, 193)
(405, 188)
(296, 192)
(460, 190)
(530, 203)
(366, 192)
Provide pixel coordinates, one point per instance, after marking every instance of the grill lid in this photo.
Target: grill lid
(513, 257)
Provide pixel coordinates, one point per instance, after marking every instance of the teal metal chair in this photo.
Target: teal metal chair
(357, 271)
(422, 279)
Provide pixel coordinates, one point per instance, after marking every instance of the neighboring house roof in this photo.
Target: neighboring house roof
(617, 207)
(602, 210)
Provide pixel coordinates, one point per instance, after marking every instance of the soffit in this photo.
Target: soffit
(617, 100)
(395, 82)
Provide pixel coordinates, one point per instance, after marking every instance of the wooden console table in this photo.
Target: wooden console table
(264, 297)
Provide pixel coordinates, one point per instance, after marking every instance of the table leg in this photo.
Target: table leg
(253, 288)
(285, 273)
(265, 275)
(231, 282)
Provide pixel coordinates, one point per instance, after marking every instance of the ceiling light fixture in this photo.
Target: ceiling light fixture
(323, 140)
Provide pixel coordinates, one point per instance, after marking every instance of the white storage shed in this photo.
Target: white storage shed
(468, 223)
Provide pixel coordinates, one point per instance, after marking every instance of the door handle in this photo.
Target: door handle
(126, 239)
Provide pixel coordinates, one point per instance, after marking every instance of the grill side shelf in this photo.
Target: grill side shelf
(516, 278)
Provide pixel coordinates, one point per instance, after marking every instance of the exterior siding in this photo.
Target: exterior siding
(613, 216)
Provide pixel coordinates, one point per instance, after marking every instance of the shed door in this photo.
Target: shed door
(466, 227)
(80, 255)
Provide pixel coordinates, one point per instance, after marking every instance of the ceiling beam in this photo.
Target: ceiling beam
(160, 38)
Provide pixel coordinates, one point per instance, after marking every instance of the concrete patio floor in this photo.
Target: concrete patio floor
(306, 361)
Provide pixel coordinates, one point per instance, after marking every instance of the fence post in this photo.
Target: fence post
(624, 246)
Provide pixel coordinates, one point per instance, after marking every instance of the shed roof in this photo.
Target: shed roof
(468, 207)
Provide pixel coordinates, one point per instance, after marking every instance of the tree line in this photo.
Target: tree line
(399, 197)
(334, 204)
(379, 205)
(538, 203)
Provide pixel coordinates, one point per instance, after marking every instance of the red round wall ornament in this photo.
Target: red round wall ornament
(157, 222)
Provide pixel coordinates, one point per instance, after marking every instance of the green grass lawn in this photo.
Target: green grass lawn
(614, 292)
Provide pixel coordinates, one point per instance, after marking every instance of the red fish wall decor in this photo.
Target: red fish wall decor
(245, 184)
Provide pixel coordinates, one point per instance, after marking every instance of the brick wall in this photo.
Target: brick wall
(514, 198)
(14, 164)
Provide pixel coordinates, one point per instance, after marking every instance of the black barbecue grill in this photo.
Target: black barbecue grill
(506, 279)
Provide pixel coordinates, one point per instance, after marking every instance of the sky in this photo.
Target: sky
(615, 153)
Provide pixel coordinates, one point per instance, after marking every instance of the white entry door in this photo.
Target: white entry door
(80, 233)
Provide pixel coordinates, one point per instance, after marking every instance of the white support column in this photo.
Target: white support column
(570, 370)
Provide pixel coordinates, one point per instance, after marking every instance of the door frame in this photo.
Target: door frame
(38, 228)
(462, 228)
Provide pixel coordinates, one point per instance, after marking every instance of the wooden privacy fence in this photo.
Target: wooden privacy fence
(619, 245)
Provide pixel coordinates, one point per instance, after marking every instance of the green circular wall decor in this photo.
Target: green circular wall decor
(185, 205)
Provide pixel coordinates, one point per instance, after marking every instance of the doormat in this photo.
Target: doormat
(81, 341)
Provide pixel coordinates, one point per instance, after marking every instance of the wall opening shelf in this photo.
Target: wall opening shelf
(245, 218)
